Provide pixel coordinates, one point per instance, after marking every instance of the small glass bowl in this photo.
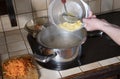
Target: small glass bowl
(35, 25)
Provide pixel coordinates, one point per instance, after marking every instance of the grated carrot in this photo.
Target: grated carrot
(17, 67)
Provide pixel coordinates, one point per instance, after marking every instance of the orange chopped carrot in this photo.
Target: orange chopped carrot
(17, 67)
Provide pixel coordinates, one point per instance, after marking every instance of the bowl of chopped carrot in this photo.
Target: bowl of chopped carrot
(20, 67)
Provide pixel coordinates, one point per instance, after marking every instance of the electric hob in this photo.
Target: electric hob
(99, 47)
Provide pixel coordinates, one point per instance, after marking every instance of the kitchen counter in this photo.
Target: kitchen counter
(86, 71)
(96, 70)
(15, 43)
(106, 72)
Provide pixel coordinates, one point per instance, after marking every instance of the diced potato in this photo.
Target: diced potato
(71, 26)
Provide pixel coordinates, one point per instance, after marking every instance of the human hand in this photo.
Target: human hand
(92, 23)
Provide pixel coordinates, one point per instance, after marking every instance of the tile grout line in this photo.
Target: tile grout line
(60, 74)
(110, 63)
(113, 5)
(5, 39)
(32, 8)
(118, 58)
(23, 28)
(47, 6)
(81, 69)
(99, 64)
(24, 41)
(17, 51)
(14, 41)
(91, 63)
(1, 75)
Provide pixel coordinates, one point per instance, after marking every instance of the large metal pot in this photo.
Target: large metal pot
(57, 55)
(58, 38)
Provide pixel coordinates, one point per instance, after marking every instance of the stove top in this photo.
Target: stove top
(95, 48)
(99, 47)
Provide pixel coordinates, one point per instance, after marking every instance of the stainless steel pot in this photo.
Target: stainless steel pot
(58, 38)
(57, 55)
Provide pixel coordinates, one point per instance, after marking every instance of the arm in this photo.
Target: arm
(111, 30)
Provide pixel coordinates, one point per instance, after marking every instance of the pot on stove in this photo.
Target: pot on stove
(58, 38)
(58, 45)
(57, 55)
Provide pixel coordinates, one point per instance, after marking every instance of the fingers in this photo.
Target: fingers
(90, 13)
(85, 20)
(94, 16)
(103, 20)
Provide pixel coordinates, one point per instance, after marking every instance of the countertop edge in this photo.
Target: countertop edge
(98, 73)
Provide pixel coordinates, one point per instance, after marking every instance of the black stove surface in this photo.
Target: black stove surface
(98, 48)
(95, 48)
(101, 47)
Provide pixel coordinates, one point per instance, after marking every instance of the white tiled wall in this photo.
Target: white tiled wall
(27, 9)
(106, 5)
(23, 6)
(39, 5)
(116, 4)
(6, 23)
(23, 18)
(40, 13)
(95, 6)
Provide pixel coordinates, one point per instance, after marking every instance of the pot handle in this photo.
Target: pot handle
(44, 59)
(95, 34)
